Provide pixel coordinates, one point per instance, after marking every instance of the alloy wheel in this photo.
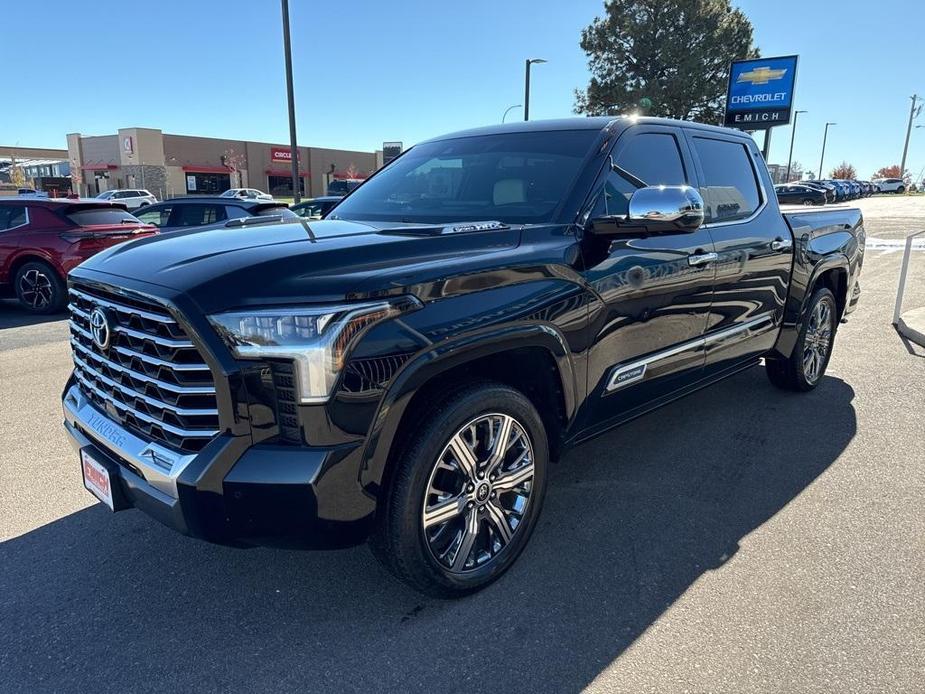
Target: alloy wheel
(817, 340)
(478, 492)
(35, 289)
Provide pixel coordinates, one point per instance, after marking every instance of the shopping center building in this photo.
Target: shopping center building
(172, 165)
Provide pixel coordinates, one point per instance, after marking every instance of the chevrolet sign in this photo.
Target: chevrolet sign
(760, 93)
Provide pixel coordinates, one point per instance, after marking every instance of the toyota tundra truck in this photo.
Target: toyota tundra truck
(405, 370)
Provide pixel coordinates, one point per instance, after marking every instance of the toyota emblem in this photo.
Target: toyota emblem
(100, 329)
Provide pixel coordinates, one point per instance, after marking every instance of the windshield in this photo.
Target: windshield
(517, 178)
(105, 195)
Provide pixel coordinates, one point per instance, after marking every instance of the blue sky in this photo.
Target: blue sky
(368, 71)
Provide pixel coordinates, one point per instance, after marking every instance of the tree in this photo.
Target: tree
(234, 162)
(17, 174)
(844, 170)
(663, 57)
(76, 176)
(891, 172)
(796, 170)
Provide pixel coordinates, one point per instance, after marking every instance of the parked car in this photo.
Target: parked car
(841, 189)
(341, 187)
(406, 370)
(42, 239)
(246, 194)
(132, 198)
(797, 194)
(891, 185)
(316, 208)
(201, 211)
(31, 192)
(826, 188)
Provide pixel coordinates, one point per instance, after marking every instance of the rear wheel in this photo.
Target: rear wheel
(901, 190)
(39, 288)
(466, 494)
(807, 364)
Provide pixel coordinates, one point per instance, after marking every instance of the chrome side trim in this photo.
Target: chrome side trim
(123, 308)
(159, 466)
(184, 390)
(635, 371)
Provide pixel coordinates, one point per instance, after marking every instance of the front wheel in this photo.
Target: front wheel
(807, 364)
(466, 492)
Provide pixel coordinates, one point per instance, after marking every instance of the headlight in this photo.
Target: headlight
(316, 339)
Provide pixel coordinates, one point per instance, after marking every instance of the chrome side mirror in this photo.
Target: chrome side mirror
(678, 206)
(655, 210)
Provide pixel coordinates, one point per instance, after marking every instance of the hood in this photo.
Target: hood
(295, 262)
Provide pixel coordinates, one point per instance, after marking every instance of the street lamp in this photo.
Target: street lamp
(508, 110)
(824, 138)
(793, 135)
(293, 144)
(530, 61)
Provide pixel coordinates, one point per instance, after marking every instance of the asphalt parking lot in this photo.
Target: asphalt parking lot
(741, 539)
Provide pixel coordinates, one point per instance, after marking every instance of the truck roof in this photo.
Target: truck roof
(588, 123)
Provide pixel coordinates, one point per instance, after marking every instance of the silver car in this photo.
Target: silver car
(132, 198)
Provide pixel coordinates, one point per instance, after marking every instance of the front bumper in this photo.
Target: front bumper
(231, 492)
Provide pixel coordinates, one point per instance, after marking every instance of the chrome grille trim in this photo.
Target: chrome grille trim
(146, 357)
(165, 341)
(183, 390)
(160, 404)
(150, 378)
(123, 308)
(186, 433)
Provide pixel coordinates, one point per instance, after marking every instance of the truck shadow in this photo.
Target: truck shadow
(631, 521)
(12, 315)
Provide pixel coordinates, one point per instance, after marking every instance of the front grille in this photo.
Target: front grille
(150, 378)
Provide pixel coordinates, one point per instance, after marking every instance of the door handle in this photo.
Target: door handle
(780, 244)
(701, 258)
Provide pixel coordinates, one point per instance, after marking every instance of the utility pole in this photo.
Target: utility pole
(825, 137)
(530, 61)
(912, 114)
(793, 134)
(293, 143)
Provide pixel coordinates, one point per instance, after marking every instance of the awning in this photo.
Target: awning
(98, 167)
(285, 172)
(207, 169)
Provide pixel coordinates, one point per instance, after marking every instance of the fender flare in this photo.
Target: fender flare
(447, 355)
(793, 319)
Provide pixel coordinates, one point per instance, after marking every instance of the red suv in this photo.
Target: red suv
(41, 240)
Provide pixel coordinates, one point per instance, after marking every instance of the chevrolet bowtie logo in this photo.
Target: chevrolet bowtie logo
(761, 75)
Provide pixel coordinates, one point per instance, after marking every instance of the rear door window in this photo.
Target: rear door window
(12, 216)
(730, 186)
(101, 215)
(157, 216)
(197, 215)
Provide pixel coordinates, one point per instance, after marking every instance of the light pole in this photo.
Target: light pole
(793, 134)
(912, 114)
(530, 61)
(508, 110)
(293, 143)
(822, 156)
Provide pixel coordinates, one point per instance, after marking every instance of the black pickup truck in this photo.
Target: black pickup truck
(405, 370)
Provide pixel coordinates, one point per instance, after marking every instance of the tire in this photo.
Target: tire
(901, 190)
(144, 204)
(808, 203)
(39, 288)
(814, 343)
(423, 548)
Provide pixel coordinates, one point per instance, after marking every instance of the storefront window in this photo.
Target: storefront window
(207, 183)
(282, 186)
